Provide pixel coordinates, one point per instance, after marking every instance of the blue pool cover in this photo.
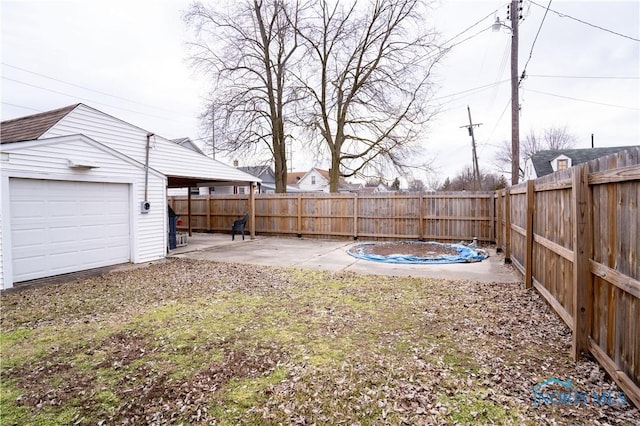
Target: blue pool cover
(465, 254)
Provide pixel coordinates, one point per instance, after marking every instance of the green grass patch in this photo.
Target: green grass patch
(475, 408)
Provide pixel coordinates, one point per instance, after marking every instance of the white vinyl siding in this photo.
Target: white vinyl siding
(48, 160)
(313, 181)
(165, 156)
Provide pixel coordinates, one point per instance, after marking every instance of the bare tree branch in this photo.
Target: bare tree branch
(369, 83)
(249, 52)
(552, 138)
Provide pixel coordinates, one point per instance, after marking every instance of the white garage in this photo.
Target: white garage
(81, 189)
(66, 226)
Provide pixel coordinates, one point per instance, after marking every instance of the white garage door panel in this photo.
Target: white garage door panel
(59, 227)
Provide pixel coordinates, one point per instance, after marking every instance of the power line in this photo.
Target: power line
(84, 99)
(83, 87)
(563, 15)
(466, 39)
(468, 28)
(583, 76)
(470, 90)
(496, 126)
(584, 100)
(21, 106)
(524, 70)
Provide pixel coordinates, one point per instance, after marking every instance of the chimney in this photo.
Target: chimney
(235, 163)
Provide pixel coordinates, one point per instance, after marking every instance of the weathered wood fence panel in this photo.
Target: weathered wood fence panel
(442, 216)
(552, 273)
(580, 229)
(614, 320)
(517, 214)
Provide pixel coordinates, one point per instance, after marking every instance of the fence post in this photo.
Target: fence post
(507, 225)
(299, 211)
(492, 214)
(528, 250)
(189, 210)
(421, 218)
(252, 204)
(498, 203)
(582, 247)
(209, 212)
(355, 216)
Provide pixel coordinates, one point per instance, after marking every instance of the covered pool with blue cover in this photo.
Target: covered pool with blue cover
(432, 252)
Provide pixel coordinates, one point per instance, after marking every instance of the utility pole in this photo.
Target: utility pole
(514, 14)
(476, 169)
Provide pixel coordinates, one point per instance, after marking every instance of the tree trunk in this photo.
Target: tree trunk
(279, 156)
(334, 171)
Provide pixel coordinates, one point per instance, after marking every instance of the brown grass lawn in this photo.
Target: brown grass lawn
(195, 342)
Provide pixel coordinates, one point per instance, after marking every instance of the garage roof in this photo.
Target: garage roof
(182, 166)
(33, 126)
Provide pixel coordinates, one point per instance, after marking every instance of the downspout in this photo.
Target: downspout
(146, 166)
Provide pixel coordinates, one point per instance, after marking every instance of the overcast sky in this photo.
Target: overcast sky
(128, 60)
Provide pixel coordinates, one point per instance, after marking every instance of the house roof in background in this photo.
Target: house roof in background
(263, 172)
(294, 177)
(188, 143)
(542, 160)
(32, 126)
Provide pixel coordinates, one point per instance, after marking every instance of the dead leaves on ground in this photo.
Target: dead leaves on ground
(293, 347)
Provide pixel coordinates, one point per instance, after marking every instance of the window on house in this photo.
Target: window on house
(241, 190)
(563, 164)
(313, 180)
(194, 190)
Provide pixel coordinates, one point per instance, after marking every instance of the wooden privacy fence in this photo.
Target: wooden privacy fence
(442, 216)
(574, 237)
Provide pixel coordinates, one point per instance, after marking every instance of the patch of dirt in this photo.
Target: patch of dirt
(152, 398)
(417, 249)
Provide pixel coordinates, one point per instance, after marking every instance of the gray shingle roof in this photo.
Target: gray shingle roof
(32, 126)
(542, 160)
(188, 143)
(262, 172)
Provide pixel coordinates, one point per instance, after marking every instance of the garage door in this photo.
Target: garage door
(59, 227)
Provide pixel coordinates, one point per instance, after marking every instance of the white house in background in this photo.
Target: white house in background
(81, 189)
(546, 162)
(318, 180)
(314, 180)
(376, 188)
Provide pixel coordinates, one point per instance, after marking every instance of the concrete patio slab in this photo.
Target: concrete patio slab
(331, 255)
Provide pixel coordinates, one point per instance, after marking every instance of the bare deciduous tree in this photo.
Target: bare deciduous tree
(368, 82)
(248, 50)
(466, 181)
(552, 138)
(417, 185)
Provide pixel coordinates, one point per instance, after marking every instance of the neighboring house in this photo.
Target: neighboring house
(82, 189)
(268, 185)
(317, 180)
(546, 162)
(265, 173)
(376, 188)
(188, 143)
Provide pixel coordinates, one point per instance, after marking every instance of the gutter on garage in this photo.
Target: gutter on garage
(194, 182)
